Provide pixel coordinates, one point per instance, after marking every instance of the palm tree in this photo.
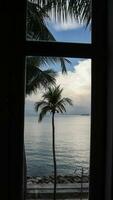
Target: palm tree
(52, 102)
(36, 78)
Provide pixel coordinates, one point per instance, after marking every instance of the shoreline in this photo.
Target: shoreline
(61, 179)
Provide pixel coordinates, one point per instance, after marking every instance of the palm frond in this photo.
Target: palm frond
(40, 104)
(59, 10)
(62, 103)
(47, 61)
(52, 102)
(53, 94)
(67, 100)
(41, 116)
(35, 27)
(61, 108)
(43, 113)
(63, 66)
(36, 78)
(81, 10)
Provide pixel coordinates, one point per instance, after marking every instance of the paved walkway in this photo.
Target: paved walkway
(64, 191)
(59, 186)
(58, 199)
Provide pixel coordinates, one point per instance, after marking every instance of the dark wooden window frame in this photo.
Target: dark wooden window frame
(97, 51)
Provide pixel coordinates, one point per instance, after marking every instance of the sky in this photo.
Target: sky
(77, 83)
(69, 31)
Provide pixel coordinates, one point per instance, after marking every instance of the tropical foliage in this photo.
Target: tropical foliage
(35, 26)
(38, 78)
(39, 11)
(52, 102)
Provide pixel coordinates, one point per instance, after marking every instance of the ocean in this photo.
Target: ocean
(72, 138)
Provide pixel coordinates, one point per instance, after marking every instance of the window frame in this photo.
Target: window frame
(97, 51)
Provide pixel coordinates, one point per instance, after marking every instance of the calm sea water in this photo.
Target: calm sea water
(72, 144)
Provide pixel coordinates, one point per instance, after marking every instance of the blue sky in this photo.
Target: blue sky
(79, 34)
(70, 31)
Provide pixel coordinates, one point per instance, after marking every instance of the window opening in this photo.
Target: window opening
(72, 128)
(61, 21)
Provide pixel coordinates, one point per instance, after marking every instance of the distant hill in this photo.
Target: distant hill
(87, 114)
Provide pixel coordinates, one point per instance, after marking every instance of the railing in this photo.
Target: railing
(83, 171)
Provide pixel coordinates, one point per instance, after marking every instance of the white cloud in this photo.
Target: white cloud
(70, 24)
(65, 26)
(77, 86)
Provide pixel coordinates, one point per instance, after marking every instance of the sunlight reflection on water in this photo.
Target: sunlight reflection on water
(72, 144)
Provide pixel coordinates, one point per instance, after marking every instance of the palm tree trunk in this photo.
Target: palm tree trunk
(54, 157)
